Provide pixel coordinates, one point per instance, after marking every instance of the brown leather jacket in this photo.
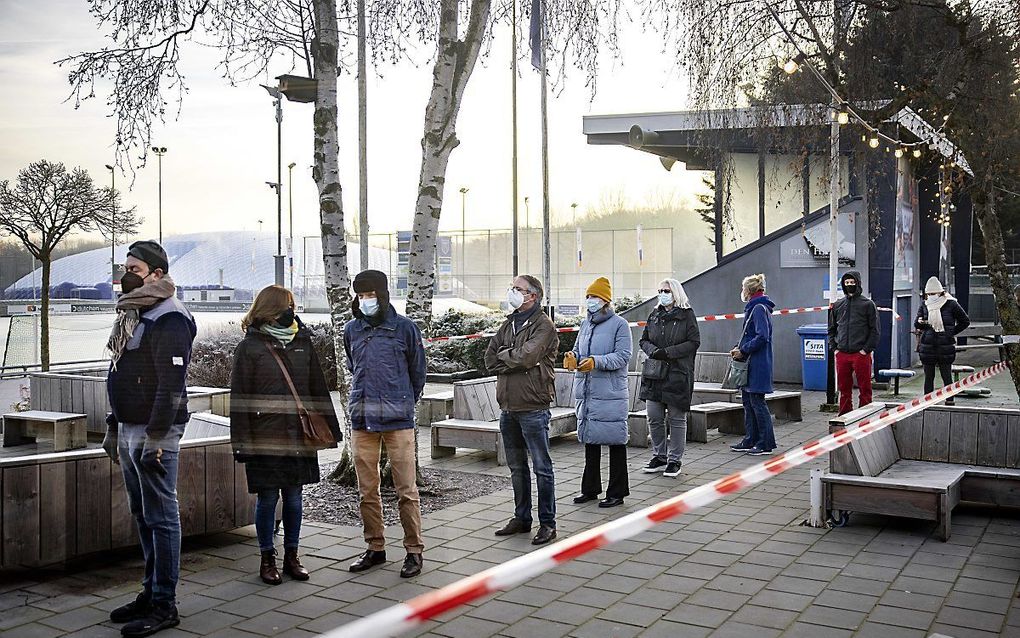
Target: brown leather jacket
(524, 364)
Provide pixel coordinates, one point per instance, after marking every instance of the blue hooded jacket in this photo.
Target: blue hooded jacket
(602, 395)
(756, 343)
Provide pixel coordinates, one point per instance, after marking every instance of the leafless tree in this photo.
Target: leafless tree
(45, 205)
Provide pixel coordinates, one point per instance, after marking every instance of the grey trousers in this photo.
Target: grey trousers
(657, 420)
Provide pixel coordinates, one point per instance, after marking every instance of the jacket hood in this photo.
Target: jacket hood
(760, 301)
(847, 275)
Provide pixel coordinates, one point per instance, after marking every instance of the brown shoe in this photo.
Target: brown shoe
(292, 565)
(268, 572)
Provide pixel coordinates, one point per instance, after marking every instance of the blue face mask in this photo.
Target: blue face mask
(594, 305)
(665, 298)
(369, 307)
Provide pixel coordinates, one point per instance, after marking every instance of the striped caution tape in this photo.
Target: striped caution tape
(641, 324)
(404, 616)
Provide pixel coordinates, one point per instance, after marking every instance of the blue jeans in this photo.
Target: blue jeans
(524, 433)
(153, 502)
(265, 517)
(757, 422)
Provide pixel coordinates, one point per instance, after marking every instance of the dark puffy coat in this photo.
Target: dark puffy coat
(387, 364)
(756, 344)
(149, 384)
(853, 321)
(265, 431)
(675, 330)
(940, 347)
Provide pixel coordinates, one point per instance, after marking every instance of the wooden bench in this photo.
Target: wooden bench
(214, 400)
(924, 465)
(66, 429)
(961, 369)
(475, 421)
(896, 374)
(433, 407)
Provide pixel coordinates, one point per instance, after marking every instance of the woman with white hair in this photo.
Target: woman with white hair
(755, 347)
(939, 320)
(670, 339)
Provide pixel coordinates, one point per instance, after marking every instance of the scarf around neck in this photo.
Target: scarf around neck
(129, 312)
(934, 305)
(283, 335)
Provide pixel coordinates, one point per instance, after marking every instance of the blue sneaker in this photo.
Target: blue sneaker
(757, 451)
(742, 447)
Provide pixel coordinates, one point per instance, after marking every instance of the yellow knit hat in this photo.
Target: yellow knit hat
(601, 288)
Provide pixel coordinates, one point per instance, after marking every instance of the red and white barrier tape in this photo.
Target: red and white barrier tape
(404, 616)
(641, 324)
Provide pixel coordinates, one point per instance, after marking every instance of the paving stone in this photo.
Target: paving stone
(534, 627)
(960, 632)
(270, 623)
(796, 585)
(209, 621)
(782, 600)
(921, 586)
(901, 617)
(599, 628)
(845, 600)
(630, 614)
(731, 629)
(697, 615)
(655, 598)
(910, 600)
(986, 587)
(737, 585)
(931, 572)
(669, 629)
(75, 619)
(718, 599)
(250, 606)
(875, 630)
(21, 616)
(501, 611)
(620, 584)
(971, 618)
(764, 616)
(32, 630)
(830, 617)
(468, 627)
(597, 598)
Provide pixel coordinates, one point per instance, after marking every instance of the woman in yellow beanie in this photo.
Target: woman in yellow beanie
(600, 357)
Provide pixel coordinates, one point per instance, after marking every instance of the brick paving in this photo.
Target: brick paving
(741, 567)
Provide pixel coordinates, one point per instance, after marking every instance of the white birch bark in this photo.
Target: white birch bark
(455, 61)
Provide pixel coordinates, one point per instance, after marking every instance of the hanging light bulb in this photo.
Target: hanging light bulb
(793, 65)
(873, 142)
(917, 152)
(898, 152)
(843, 117)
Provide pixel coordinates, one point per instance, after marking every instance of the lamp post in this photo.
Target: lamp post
(113, 229)
(160, 151)
(577, 232)
(290, 214)
(527, 234)
(463, 234)
(278, 257)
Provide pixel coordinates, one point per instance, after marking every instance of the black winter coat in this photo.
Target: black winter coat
(853, 322)
(676, 331)
(265, 431)
(940, 347)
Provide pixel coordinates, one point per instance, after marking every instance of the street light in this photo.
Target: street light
(160, 151)
(113, 228)
(527, 233)
(463, 232)
(290, 206)
(278, 103)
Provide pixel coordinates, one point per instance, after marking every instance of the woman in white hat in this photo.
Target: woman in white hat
(939, 320)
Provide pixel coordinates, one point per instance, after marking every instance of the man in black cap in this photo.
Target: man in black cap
(386, 358)
(150, 348)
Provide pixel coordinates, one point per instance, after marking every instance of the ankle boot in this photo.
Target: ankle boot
(268, 572)
(292, 565)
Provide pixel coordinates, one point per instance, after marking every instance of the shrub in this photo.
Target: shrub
(457, 356)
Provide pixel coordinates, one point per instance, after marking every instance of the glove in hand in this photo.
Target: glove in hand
(586, 365)
(570, 361)
(660, 354)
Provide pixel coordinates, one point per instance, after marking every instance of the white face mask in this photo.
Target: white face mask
(594, 305)
(369, 307)
(514, 298)
(665, 298)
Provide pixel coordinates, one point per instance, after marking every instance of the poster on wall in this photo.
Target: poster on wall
(906, 226)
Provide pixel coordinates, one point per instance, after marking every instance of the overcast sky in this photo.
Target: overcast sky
(222, 146)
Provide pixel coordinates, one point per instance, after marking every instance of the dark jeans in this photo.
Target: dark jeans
(757, 422)
(591, 480)
(265, 517)
(153, 502)
(946, 369)
(528, 433)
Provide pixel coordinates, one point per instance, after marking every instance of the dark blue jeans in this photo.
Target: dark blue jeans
(153, 502)
(528, 433)
(757, 422)
(265, 517)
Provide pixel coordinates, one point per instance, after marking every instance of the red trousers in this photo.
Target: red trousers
(848, 365)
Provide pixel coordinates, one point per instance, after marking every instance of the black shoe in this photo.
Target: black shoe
(137, 608)
(610, 502)
(412, 566)
(161, 616)
(672, 469)
(584, 498)
(742, 447)
(544, 535)
(515, 526)
(654, 466)
(368, 560)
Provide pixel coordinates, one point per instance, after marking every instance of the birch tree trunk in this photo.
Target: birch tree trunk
(455, 61)
(998, 273)
(44, 312)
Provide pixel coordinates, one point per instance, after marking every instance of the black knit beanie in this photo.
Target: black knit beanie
(372, 281)
(151, 253)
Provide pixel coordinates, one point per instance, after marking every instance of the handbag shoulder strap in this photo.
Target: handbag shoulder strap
(286, 375)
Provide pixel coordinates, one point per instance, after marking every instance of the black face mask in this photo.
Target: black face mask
(850, 290)
(130, 281)
(286, 319)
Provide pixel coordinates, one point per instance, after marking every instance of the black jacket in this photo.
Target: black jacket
(676, 331)
(149, 384)
(940, 347)
(265, 431)
(853, 321)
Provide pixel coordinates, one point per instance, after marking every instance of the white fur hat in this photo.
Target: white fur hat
(933, 286)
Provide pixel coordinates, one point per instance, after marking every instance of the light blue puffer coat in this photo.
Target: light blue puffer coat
(601, 396)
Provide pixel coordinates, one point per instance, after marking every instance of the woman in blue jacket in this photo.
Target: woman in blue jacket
(756, 348)
(600, 357)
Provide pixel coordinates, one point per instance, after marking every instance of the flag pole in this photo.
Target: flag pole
(513, 109)
(546, 262)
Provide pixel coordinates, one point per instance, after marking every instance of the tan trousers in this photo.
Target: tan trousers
(400, 448)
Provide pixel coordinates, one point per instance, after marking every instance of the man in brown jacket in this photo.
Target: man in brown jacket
(523, 356)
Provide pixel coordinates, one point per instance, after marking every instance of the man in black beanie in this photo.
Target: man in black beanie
(386, 358)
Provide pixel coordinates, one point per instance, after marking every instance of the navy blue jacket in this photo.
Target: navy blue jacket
(387, 364)
(149, 384)
(756, 343)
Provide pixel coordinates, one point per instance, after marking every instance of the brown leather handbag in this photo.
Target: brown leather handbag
(314, 426)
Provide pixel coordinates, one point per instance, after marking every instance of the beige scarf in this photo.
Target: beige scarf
(129, 312)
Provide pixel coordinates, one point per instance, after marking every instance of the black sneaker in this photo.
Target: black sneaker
(137, 608)
(672, 469)
(757, 451)
(742, 447)
(654, 466)
(161, 616)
